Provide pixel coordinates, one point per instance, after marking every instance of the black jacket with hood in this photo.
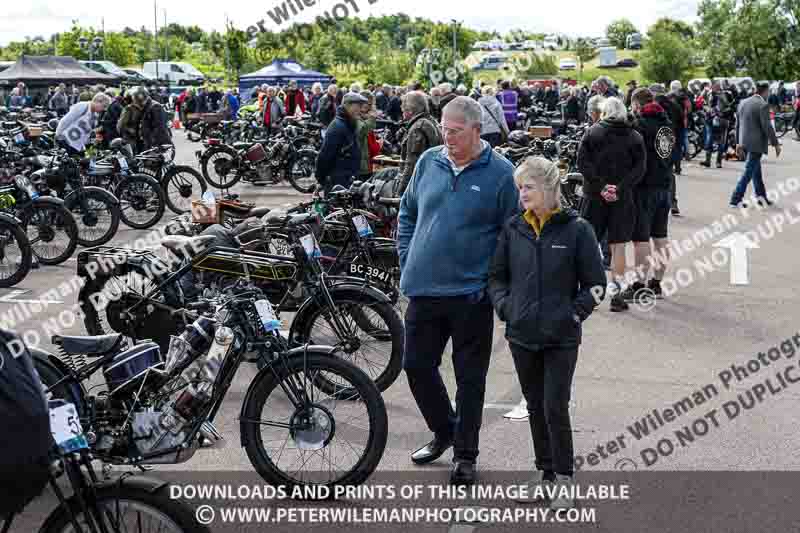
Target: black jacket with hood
(656, 129)
(544, 287)
(611, 152)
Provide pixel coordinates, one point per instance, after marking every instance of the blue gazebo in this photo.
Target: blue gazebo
(280, 72)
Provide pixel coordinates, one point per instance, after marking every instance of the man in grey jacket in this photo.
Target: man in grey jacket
(755, 134)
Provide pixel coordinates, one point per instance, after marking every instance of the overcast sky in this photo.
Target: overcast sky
(575, 17)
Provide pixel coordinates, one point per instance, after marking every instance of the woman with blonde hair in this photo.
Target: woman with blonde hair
(546, 278)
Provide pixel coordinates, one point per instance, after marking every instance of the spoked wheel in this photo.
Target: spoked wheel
(52, 232)
(219, 167)
(301, 172)
(181, 185)
(97, 216)
(15, 254)
(298, 434)
(373, 339)
(126, 508)
(141, 201)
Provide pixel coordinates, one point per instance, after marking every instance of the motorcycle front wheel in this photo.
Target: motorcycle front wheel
(336, 439)
(52, 232)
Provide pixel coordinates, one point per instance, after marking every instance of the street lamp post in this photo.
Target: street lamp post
(93, 46)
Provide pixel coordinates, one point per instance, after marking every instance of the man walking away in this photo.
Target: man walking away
(450, 218)
(652, 194)
(755, 133)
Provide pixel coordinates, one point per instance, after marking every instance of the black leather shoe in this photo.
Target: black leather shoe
(463, 474)
(431, 451)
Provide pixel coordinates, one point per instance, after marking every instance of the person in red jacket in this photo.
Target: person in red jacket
(294, 99)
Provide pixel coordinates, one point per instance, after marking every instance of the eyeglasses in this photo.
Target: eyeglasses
(451, 131)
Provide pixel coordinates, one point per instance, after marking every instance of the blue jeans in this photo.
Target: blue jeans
(752, 171)
(709, 147)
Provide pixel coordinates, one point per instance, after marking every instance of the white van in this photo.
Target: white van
(174, 72)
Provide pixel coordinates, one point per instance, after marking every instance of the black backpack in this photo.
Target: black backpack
(25, 421)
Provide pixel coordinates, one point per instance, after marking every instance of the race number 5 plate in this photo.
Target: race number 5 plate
(66, 428)
(371, 272)
(362, 226)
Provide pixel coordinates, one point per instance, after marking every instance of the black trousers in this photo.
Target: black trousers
(430, 323)
(546, 380)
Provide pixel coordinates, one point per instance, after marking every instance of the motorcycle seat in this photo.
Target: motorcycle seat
(93, 345)
(191, 245)
(242, 145)
(259, 211)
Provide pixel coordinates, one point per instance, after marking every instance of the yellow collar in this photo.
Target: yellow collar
(535, 222)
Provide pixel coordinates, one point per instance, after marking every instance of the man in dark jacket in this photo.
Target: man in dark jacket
(652, 195)
(339, 158)
(612, 159)
(422, 134)
(109, 121)
(153, 129)
(719, 112)
(327, 106)
(395, 106)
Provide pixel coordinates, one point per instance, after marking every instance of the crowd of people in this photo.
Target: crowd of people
(503, 243)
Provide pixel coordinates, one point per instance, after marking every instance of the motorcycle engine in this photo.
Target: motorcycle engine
(264, 171)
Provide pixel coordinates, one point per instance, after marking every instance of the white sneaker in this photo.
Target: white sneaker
(563, 501)
(537, 489)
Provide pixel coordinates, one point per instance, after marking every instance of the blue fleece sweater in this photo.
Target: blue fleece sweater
(448, 224)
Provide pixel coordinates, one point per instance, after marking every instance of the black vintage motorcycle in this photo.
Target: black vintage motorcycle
(139, 292)
(282, 157)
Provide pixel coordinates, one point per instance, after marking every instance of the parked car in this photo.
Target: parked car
(491, 62)
(138, 75)
(627, 63)
(109, 68)
(567, 63)
(174, 72)
(633, 41)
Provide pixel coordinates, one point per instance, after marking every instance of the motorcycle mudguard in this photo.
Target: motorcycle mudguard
(342, 287)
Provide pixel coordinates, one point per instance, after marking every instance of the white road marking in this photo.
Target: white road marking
(11, 298)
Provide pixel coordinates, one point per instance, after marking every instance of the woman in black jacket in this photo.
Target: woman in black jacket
(546, 278)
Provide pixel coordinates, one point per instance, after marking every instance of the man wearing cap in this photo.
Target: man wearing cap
(339, 158)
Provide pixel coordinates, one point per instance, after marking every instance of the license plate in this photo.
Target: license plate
(123, 163)
(267, 314)
(65, 425)
(371, 272)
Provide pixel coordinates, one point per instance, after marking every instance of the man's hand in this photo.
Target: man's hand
(740, 151)
(777, 150)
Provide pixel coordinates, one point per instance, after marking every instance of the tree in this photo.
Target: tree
(678, 27)
(585, 51)
(119, 49)
(617, 32)
(236, 45)
(529, 65)
(665, 57)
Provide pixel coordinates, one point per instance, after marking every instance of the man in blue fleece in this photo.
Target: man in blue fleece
(451, 214)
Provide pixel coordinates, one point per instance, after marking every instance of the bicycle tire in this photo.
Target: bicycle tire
(69, 226)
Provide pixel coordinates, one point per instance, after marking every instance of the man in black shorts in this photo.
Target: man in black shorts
(611, 158)
(652, 196)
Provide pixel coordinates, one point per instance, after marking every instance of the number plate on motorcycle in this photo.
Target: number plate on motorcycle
(371, 272)
(267, 314)
(123, 163)
(362, 226)
(65, 425)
